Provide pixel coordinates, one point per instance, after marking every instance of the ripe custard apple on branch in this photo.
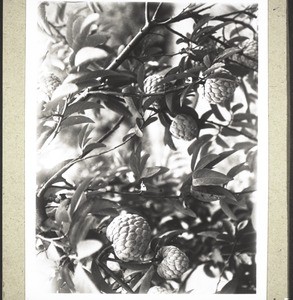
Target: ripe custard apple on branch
(174, 263)
(130, 235)
(47, 84)
(219, 86)
(184, 127)
(249, 55)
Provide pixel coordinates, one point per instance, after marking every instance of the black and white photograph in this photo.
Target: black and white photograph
(148, 146)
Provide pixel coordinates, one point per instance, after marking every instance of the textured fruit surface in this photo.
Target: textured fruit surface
(152, 84)
(184, 127)
(47, 85)
(220, 87)
(130, 235)
(249, 54)
(174, 263)
(159, 290)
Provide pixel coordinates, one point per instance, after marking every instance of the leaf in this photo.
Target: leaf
(99, 280)
(87, 248)
(66, 276)
(209, 177)
(168, 139)
(211, 234)
(220, 157)
(141, 76)
(132, 107)
(184, 210)
(244, 116)
(68, 90)
(221, 142)
(81, 107)
(83, 30)
(143, 161)
(165, 120)
(76, 198)
(244, 125)
(226, 209)
(231, 286)
(83, 135)
(82, 281)
(188, 73)
(237, 169)
(64, 90)
(227, 53)
(236, 107)
(205, 160)
(185, 93)
(229, 132)
(212, 68)
(100, 205)
(196, 146)
(75, 120)
(91, 147)
(152, 171)
(207, 61)
(61, 214)
(87, 55)
(80, 229)
(118, 107)
(217, 113)
(212, 193)
(96, 39)
(146, 280)
(229, 227)
(42, 19)
(242, 225)
(149, 121)
(162, 239)
(219, 26)
(204, 19)
(69, 26)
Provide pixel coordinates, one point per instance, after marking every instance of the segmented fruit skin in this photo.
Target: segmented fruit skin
(48, 83)
(130, 234)
(184, 127)
(249, 54)
(174, 263)
(220, 86)
(159, 290)
(152, 84)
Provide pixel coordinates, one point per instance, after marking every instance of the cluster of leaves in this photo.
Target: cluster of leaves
(199, 212)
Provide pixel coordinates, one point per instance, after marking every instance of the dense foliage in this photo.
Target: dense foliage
(109, 85)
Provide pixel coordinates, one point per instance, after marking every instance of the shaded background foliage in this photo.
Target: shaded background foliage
(104, 146)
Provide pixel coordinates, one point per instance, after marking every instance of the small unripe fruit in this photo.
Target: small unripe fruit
(130, 235)
(47, 85)
(174, 263)
(184, 127)
(249, 54)
(159, 290)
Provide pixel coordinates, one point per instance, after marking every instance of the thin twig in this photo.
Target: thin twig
(226, 264)
(156, 12)
(147, 13)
